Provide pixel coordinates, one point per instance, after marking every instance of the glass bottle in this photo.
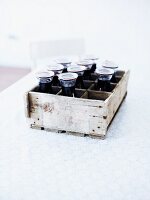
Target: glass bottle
(68, 81)
(57, 69)
(94, 59)
(45, 81)
(104, 77)
(65, 62)
(74, 68)
(88, 64)
(111, 65)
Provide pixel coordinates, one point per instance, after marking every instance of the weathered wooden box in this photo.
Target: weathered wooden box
(89, 113)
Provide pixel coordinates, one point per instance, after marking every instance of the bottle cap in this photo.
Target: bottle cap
(56, 68)
(67, 76)
(44, 74)
(76, 69)
(103, 71)
(63, 61)
(90, 57)
(109, 64)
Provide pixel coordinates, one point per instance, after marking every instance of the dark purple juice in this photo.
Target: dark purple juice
(87, 75)
(93, 68)
(68, 91)
(79, 82)
(113, 79)
(64, 70)
(104, 85)
(45, 87)
(55, 81)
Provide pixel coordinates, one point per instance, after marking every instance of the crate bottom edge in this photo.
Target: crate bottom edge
(94, 136)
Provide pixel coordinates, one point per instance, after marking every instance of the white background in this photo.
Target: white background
(36, 165)
(118, 30)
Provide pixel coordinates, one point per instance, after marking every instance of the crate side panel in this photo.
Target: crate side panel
(35, 109)
(116, 98)
(98, 126)
(26, 105)
(62, 113)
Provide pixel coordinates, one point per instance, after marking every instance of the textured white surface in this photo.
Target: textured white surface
(37, 165)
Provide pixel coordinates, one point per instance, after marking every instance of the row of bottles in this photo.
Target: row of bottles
(69, 75)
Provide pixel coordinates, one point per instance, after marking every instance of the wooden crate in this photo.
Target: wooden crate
(87, 114)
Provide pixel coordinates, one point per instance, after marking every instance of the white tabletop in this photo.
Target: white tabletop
(39, 165)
